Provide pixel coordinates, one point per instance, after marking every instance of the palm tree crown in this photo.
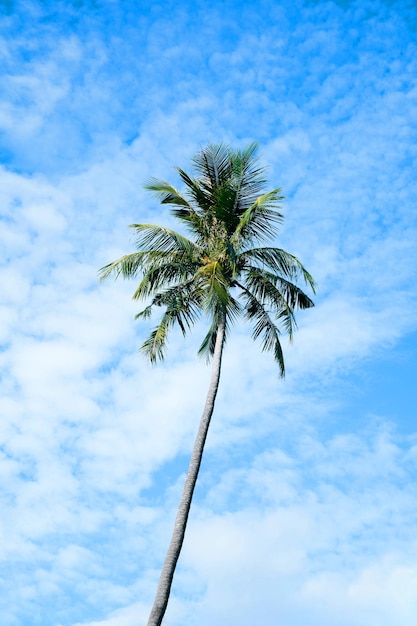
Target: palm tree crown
(224, 269)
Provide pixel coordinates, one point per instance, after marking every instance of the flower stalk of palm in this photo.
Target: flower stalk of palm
(222, 270)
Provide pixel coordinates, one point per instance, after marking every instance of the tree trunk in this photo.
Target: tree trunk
(168, 569)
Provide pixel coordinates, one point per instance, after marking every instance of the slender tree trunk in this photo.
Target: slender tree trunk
(168, 569)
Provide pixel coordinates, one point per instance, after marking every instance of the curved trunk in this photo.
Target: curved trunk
(168, 568)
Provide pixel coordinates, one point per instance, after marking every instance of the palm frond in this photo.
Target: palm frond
(127, 266)
(234, 311)
(264, 327)
(216, 292)
(260, 221)
(145, 314)
(154, 346)
(246, 158)
(225, 197)
(166, 193)
(157, 276)
(160, 238)
(208, 344)
(275, 288)
(213, 165)
(250, 179)
(293, 295)
(182, 306)
(281, 294)
(197, 193)
(280, 261)
(263, 286)
(206, 349)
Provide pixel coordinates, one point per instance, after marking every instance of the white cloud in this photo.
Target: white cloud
(332, 552)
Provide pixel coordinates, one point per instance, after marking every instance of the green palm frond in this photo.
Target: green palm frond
(174, 270)
(216, 291)
(213, 165)
(293, 295)
(182, 307)
(234, 311)
(183, 304)
(264, 327)
(245, 160)
(269, 289)
(279, 261)
(182, 208)
(225, 199)
(160, 238)
(250, 179)
(199, 197)
(166, 193)
(127, 266)
(260, 221)
(287, 290)
(155, 345)
(146, 313)
(206, 349)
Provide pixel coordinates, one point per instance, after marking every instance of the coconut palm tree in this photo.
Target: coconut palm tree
(220, 272)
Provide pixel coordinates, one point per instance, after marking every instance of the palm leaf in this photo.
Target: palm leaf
(216, 292)
(260, 221)
(209, 342)
(250, 179)
(157, 276)
(264, 326)
(196, 192)
(232, 313)
(283, 295)
(160, 238)
(263, 286)
(127, 266)
(213, 165)
(166, 193)
(279, 261)
(155, 345)
(182, 304)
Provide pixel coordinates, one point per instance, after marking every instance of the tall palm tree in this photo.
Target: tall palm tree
(220, 272)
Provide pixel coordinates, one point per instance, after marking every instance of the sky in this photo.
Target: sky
(306, 507)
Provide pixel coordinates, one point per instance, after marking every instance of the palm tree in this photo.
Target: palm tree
(220, 272)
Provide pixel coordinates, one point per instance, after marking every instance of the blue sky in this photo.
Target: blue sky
(306, 507)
